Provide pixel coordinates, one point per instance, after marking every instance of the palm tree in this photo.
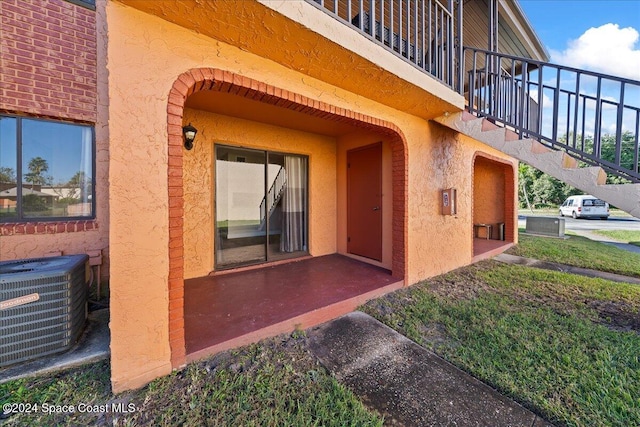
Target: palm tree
(37, 167)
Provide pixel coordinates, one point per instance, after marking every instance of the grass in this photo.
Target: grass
(555, 212)
(273, 383)
(580, 252)
(625, 236)
(565, 346)
(562, 345)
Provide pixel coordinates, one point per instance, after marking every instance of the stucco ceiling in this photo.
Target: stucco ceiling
(237, 106)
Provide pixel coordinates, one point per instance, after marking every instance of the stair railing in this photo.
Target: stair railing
(273, 196)
(562, 107)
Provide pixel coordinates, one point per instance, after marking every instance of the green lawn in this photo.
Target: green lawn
(624, 236)
(566, 347)
(580, 252)
(273, 383)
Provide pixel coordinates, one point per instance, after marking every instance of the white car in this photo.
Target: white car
(585, 206)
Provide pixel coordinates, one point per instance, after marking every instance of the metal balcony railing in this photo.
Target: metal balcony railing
(592, 116)
(425, 33)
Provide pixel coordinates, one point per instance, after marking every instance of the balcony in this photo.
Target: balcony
(423, 33)
(429, 34)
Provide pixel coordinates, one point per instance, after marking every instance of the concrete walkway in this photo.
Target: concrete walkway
(408, 384)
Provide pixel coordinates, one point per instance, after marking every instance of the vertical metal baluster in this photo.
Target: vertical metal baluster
(400, 26)
(423, 58)
(409, 30)
(415, 33)
(524, 96)
(431, 40)
(556, 100)
(584, 119)
(598, 123)
(460, 49)
(636, 146)
(619, 125)
(391, 26)
(575, 113)
(382, 21)
(540, 99)
(372, 18)
(568, 128)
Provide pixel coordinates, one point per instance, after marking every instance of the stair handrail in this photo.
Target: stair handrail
(509, 96)
(272, 197)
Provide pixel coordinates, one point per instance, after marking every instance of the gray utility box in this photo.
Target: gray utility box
(545, 225)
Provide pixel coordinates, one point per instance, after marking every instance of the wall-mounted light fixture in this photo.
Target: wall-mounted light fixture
(189, 133)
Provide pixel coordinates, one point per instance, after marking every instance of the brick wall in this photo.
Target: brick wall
(48, 57)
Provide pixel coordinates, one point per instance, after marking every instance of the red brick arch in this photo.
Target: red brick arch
(199, 79)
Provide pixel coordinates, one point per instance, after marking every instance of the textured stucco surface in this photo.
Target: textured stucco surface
(38, 245)
(488, 195)
(199, 187)
(329, 57)
(146, 55)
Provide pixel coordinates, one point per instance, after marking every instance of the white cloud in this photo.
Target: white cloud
(607, 49)
(546, 101)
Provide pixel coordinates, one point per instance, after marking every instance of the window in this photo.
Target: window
(89, 4)
(593, 202)
(261, 206)
(54, 163)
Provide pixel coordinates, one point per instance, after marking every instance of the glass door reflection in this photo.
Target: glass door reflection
(261, 206)
(240, 188)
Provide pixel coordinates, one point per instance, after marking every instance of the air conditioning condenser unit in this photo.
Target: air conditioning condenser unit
(43, 306)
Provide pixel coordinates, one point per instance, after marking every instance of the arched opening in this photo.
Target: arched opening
(493, 205)
(197, 82)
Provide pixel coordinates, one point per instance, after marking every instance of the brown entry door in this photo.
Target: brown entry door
(364, 201)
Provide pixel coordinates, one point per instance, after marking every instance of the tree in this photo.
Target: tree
(608, 149)
(80, 182)
(37, 167)
(539, 190)
(7, 174)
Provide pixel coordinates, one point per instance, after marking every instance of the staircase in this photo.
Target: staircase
(545, 124)
(270, 200)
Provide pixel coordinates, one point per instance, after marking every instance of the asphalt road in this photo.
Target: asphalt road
(613, 223)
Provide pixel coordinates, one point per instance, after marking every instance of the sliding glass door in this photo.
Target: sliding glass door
(261, 206)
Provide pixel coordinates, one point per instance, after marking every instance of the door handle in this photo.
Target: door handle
(376, 208)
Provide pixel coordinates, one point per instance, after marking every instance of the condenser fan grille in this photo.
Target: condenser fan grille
(43, 306)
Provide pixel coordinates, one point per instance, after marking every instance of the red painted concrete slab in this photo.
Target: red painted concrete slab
(233, 309)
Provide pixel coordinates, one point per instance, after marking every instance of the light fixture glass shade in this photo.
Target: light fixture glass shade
(189, 136)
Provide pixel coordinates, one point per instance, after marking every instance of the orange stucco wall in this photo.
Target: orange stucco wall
(199, 186)
(488, 196)
(159, 52)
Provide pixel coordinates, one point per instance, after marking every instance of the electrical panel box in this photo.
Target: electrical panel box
(449, 201)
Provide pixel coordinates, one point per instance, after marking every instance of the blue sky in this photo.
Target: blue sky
(575, 32)
(595, 35)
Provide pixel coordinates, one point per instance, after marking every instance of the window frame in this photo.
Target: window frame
(20, 218)
(87, 4)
